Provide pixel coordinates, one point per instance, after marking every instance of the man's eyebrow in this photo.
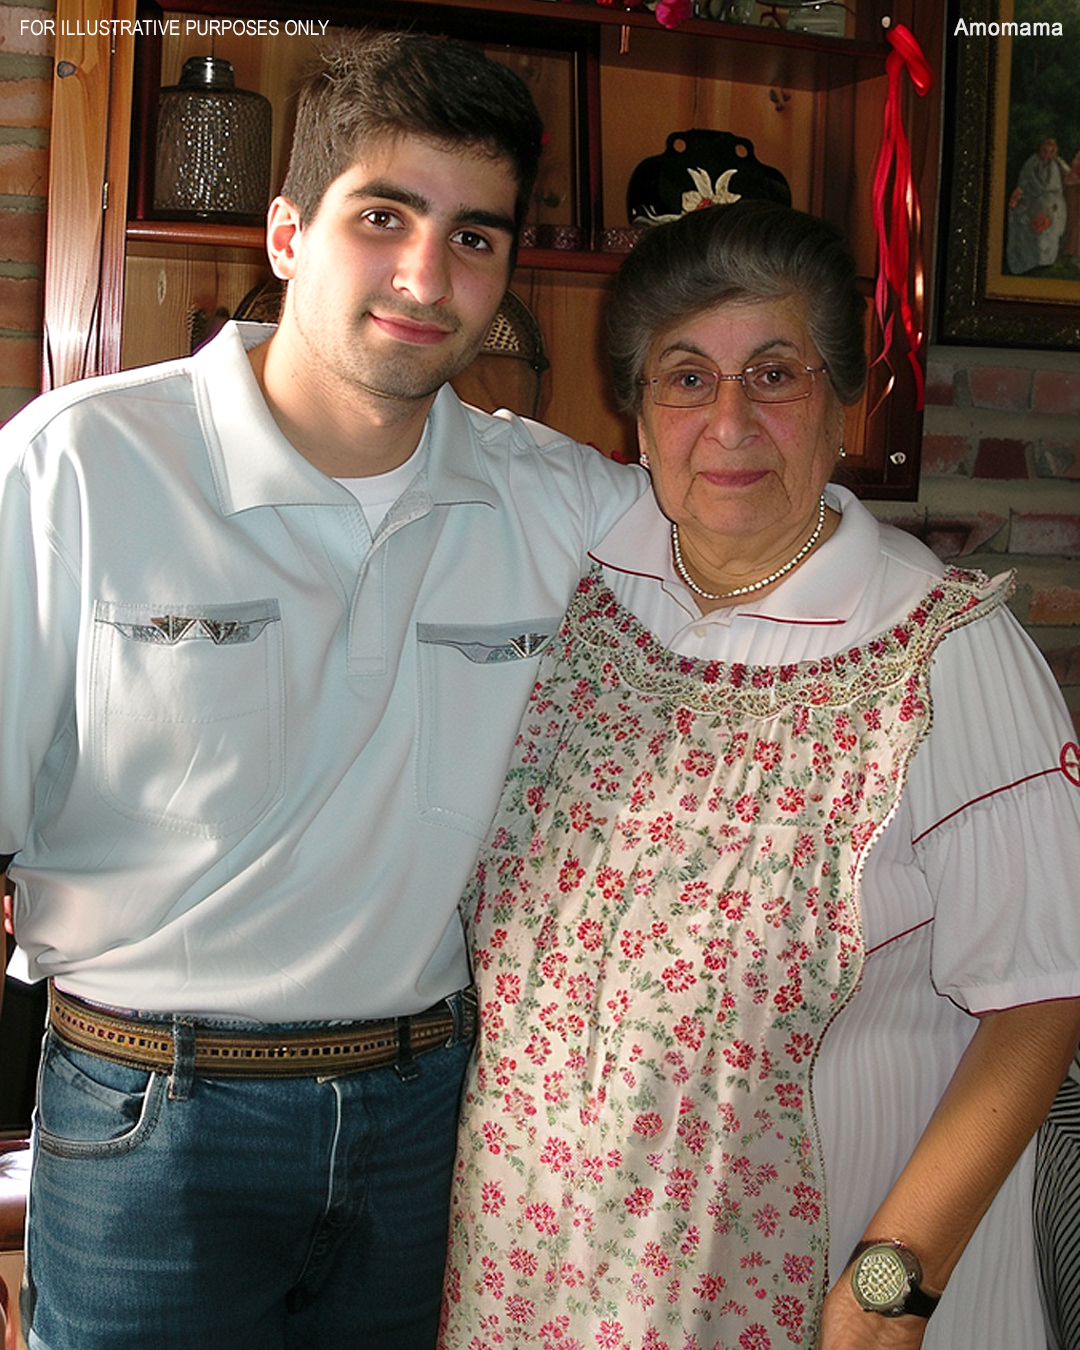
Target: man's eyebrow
(386, 190)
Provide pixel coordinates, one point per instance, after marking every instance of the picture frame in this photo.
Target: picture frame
(981, 298)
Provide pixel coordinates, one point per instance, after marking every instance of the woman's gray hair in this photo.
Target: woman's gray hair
(748, 250)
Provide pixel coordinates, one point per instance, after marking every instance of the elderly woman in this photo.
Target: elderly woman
(775, 930)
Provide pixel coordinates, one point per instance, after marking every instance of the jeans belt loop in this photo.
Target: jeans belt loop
(463, 1006)
(405, 1065)
(183, 1070)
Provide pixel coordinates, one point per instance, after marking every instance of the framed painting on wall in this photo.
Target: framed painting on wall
(1009, 250)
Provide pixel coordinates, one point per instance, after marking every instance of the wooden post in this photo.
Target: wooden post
(88, 180)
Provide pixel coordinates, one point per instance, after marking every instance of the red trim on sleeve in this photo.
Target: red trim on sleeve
(1005, 787)
(897, 936)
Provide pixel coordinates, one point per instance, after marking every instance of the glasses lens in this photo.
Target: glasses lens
(778, 382)
(684, 387)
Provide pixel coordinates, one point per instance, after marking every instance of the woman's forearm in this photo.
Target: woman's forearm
(1001, 1091)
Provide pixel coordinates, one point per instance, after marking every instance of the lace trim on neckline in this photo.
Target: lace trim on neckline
(639, 659)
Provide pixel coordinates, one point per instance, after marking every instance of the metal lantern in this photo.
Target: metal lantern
(213, 147)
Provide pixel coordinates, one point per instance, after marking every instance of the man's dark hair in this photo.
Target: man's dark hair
(374, 86)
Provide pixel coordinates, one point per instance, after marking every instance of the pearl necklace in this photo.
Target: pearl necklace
(680, 566)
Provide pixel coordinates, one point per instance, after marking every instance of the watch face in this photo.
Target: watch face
(881, 1279)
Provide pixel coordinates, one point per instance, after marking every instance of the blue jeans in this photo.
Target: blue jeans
(177, 1213)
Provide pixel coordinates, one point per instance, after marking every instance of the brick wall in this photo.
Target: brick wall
(1000, 485)
(25, 98)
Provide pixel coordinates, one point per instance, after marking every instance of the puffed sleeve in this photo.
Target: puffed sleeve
(994, 800)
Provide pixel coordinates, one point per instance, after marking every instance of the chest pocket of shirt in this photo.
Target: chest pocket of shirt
(473, 683)
(187, 713)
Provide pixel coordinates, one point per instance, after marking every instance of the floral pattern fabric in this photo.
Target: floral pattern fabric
(664, 922)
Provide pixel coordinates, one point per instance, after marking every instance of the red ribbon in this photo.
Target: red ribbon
(896, 209)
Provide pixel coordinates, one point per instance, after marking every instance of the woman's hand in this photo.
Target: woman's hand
(846, 1326)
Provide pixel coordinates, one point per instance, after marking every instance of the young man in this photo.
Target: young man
(270, 616)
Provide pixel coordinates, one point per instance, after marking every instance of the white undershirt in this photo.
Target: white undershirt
(379, 491)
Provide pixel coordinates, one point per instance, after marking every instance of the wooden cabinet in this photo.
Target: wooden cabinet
(123, 289)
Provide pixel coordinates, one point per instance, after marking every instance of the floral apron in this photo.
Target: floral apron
(664, 923)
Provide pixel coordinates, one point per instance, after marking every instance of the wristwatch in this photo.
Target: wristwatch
(885, 1279)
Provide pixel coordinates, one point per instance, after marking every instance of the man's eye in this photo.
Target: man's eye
(381, 218)
(471, 240)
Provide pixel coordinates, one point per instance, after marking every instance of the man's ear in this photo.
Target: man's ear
(283, 228)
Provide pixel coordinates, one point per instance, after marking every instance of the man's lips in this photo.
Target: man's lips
(410, 330)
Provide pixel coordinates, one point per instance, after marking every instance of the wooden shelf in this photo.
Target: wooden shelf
(212, 235)
(486, 21)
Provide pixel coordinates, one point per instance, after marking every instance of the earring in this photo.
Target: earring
(841, 453)
(643, 460)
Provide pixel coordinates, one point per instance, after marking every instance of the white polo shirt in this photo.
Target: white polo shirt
(248, 752)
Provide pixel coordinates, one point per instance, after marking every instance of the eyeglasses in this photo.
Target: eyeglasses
(697, 386)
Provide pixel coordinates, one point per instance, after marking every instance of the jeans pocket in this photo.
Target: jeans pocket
(92, 1107)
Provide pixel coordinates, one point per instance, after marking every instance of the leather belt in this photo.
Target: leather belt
(308, 1052)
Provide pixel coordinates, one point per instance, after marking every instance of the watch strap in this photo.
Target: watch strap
(919, 1302)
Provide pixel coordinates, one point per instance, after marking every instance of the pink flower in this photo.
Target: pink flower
(493, 1278)
(492, 1197)
(590, 934)
(570, 874)
(520, 1309)
(709, 1286)
(768, 754)
(523, 1260)
(609, 1336)
(556, 1154)
(747, 808)
(508, 986)
(807, 1203)
(696, 894)
(690, 1031)
(681, 1185)
(654, 1258)
(798, 1269)
(542, 1217)
(788, 1311)
(679, 976)
(739, 1054)
(639, 1201)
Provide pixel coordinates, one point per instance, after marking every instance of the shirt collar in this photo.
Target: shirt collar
(825, 589)
(255, 464)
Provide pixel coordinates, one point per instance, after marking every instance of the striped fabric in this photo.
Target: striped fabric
(1057, 1216)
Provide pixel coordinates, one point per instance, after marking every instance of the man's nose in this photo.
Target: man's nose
(423, 269)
